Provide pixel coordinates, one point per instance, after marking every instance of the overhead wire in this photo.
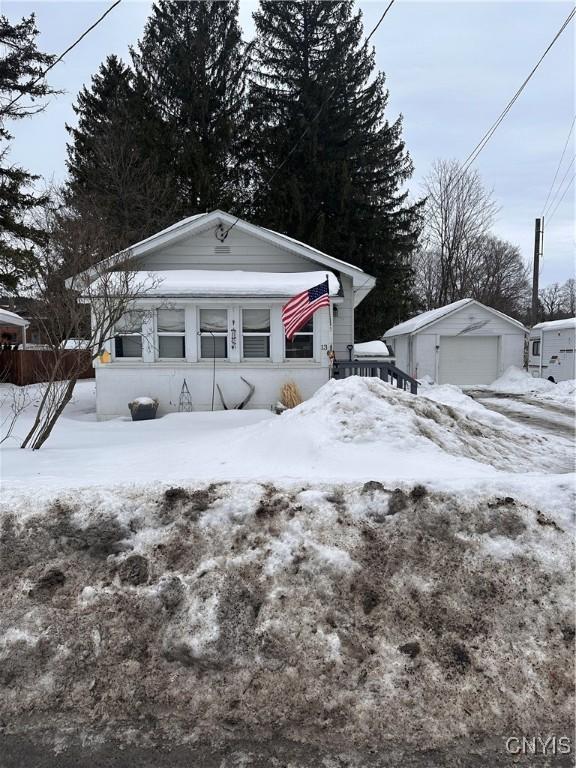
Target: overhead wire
(490, 132)
(308, 127)
(559, 166)
(43, 74)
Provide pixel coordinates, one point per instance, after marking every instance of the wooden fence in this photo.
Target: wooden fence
(382, 370)
(31, 366)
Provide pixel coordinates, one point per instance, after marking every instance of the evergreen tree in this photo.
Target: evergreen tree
(21, 86)
(116, 173)
(192, 63)
(317, 114)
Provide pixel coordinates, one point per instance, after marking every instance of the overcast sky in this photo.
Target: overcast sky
(451, 67)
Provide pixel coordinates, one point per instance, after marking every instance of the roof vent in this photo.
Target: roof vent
(221, 249)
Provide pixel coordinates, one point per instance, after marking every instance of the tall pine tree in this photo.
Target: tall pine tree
(117, 170)
(21, 87)
(339, 187)
(192, 63)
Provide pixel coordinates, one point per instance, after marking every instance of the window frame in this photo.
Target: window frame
(140, 335)
(179, 334)
(267, 333)
(207, 334)
(535, 347)
(311, 333)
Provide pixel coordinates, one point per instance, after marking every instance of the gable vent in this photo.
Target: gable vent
(221, 249)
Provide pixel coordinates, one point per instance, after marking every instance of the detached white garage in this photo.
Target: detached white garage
(461, 343)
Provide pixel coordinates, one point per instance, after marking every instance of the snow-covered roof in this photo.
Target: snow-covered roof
(11, 318)
(433, 315)
(556, 325)
(371, 349)
(362, 281)
(225, 283)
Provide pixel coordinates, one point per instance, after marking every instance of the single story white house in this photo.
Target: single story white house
(462, 343)
(212, 314)
(551, 350)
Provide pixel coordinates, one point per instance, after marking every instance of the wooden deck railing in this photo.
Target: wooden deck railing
(380, 369)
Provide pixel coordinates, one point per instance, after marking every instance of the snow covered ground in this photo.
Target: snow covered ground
(370, 579)
(350, 431)
(519, 382)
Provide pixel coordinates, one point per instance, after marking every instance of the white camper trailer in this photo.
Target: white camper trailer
(551, 350)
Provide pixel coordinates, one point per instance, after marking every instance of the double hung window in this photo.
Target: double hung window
(302, 345)
(128, 335)
(256, 333)
(170, 325)
(213, 333)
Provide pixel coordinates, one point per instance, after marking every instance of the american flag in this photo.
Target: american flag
(301, 307)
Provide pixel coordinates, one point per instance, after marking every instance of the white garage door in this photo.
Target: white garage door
(468, 359)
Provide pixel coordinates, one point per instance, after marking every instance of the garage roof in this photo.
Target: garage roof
(434, 315)
(556, 325)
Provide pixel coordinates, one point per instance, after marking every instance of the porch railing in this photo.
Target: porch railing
(381, 370)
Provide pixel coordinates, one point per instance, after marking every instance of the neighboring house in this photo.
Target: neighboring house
(461, 343)
(212, 314)
(551, 349)
(33, 312)
(12, 329)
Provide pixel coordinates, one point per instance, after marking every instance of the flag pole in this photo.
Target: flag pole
(331, 354)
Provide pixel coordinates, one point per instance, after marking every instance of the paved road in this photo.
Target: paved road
(550, 418)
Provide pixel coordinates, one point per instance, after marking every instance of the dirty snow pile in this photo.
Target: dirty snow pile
(368, 411)
(519, 382)
(349, 624)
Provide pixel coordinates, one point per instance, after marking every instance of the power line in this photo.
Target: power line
(561, 198)
(559, 164)
(70, 47)
(559, 187)
(490, 132)
(305, 132)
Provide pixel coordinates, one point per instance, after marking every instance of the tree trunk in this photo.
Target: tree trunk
(49, 426)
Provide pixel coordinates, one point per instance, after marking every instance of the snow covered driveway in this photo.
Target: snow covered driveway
(548, 417)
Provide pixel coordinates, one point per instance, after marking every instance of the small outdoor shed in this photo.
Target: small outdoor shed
(12, 328)
(551, 349)
(464, 342)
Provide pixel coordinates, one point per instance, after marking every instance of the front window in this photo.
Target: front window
(171, 333)
(256, 333)
(536, 348)
(214, 333)
(302, 345)
(128, 335)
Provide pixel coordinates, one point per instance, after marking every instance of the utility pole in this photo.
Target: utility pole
(538, 248)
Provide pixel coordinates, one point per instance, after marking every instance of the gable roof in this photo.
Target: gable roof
(556, 325)
(362, 281)
(425, 319)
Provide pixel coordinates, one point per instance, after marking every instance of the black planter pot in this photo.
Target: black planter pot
(143, 411)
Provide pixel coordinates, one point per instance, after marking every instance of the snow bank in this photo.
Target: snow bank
(359, 620)
(351, 430)
(517, 381)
